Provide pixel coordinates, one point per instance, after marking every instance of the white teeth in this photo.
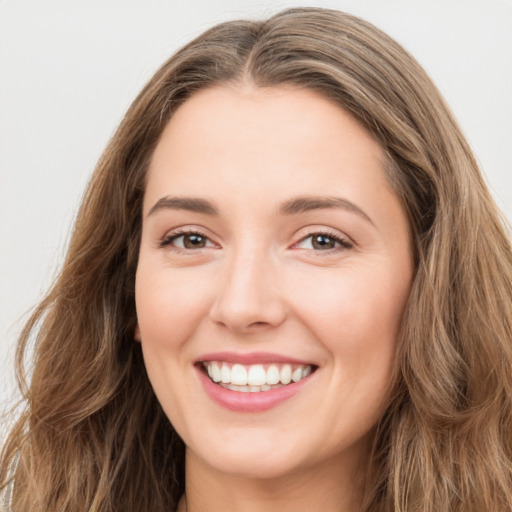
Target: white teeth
(286, 374)
(225, 373)
(257, 375)
(272, 375)
(232, 387)
(216, 375)
(255, 378)
(238, 375)
(297, 374)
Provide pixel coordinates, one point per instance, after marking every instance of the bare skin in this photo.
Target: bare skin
(270, 227)
(302, 492)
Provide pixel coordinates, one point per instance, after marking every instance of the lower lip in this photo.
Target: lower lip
(249, 402)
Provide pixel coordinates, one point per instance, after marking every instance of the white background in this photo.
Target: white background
(69, 70)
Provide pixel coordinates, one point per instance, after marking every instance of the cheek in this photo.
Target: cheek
(170, 305)
(170, 308)
(356, 314)
(353, 309)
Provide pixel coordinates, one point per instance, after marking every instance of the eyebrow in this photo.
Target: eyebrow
(293, 206)
(191, 204)
(307, 203)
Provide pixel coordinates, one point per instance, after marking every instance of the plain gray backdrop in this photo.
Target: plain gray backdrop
(69, 70)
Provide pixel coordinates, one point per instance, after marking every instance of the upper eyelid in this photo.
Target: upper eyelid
(178, 234)
(323, 230)
(186, 230)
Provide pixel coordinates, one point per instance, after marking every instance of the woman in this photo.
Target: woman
(287, 288)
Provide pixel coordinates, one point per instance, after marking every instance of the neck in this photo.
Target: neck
(332, 486)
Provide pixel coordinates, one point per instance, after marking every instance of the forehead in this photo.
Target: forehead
(266, 138)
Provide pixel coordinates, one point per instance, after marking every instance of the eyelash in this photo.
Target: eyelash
(343, 243)
(168, 240)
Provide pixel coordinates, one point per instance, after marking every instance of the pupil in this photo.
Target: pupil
(193, 241)
(323, 242)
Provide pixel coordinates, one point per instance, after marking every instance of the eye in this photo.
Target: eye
(189, 240)
(323, 242)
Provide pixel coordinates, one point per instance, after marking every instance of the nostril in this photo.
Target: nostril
(257, 324)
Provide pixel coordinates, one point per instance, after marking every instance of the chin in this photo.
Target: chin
(257, 467)
(251, 456)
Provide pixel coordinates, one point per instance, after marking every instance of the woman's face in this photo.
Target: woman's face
(273, 248)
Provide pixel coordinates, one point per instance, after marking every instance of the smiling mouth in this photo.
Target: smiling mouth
(257, 377)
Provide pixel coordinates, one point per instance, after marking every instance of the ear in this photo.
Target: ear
(136, 333)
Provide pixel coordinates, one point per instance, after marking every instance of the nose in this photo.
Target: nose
(249, 299)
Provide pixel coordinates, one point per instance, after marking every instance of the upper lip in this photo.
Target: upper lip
(250, 358)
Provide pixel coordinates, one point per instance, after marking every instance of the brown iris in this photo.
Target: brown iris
(323, 242)
(194, 241)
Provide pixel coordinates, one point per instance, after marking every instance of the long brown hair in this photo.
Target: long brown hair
(93, 437)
